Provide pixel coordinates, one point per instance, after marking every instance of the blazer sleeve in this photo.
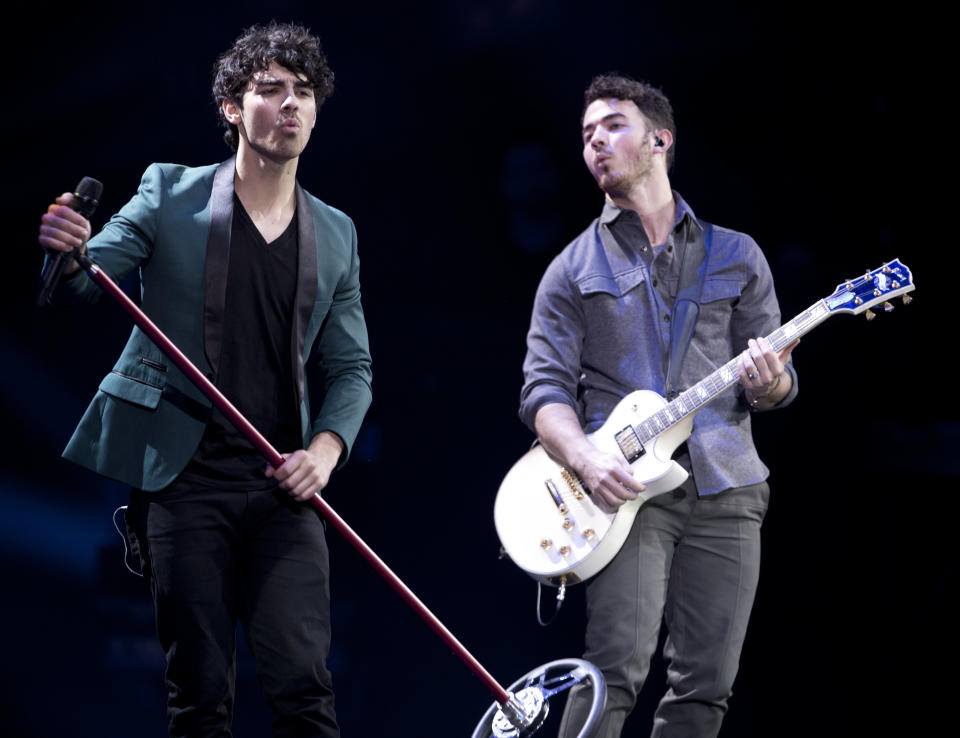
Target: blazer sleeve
(125, 242)
(340, 360)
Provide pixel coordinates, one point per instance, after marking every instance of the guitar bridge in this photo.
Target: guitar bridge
(575, 484)
(629, 444)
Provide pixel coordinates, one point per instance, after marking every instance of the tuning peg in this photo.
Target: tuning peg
(887, 307)
(907, 299)
(870, 314)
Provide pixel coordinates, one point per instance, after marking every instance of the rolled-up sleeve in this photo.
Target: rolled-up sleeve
(551, 369)
(757, 312)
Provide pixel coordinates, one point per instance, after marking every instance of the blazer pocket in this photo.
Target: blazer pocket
(143, 392)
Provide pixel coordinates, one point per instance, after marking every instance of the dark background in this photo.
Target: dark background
(453, 141)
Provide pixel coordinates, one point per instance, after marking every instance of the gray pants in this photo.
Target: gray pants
(692, 563)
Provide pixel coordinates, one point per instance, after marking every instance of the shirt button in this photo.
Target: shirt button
(666, 317)
(654, 281)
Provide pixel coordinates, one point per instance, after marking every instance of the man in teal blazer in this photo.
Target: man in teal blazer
(147, 418)
(242, 269)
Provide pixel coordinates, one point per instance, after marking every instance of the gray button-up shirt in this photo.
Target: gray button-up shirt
(601, 329)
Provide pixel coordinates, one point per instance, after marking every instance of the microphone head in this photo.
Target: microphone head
(87, 196)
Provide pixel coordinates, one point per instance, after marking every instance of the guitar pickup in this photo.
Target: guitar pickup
(629, 444)
(555, 494)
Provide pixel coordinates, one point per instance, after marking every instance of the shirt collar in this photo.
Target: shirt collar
(612, 212)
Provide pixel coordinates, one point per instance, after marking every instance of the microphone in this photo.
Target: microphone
(85, 199)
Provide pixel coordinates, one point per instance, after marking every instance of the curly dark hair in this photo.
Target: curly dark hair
(288, 44)
(650, 100)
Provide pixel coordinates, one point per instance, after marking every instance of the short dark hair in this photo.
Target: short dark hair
(288, 44)
(650, 100)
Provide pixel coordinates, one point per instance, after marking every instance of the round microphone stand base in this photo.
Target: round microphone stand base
(527, 710)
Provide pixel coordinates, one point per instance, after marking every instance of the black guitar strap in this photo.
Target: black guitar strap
(686, 309)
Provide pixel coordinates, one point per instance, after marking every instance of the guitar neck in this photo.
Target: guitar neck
(711, 387)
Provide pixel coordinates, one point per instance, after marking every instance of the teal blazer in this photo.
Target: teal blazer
(146, 420)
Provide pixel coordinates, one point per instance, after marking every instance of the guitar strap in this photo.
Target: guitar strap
(686, 308)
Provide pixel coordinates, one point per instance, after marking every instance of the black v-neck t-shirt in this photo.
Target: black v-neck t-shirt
(255, 368)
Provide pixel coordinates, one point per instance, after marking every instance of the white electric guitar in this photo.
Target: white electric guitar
(545, 517)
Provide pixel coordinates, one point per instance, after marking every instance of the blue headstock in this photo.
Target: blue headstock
(879, 286)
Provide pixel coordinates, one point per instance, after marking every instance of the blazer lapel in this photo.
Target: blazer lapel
(218, 260)
(307, 271)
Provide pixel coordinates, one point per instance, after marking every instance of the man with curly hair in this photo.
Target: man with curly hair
(602, 327)
(257, 282)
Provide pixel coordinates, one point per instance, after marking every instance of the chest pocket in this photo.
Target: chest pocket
(613, 313)
(719, 298)
(615, 286)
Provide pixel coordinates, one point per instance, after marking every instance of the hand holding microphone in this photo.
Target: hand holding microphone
(64, 228)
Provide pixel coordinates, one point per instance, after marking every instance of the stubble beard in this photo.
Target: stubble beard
(613, 184)
(279, 152)
(621, 182)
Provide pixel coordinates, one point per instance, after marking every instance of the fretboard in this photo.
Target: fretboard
(707, 389)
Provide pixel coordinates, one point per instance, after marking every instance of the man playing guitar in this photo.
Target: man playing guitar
(601, 328)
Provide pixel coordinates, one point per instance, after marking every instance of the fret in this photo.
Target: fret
(707, 389)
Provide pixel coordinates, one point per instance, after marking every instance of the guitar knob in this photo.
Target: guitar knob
(907, 299)
(870, 314)
(545, 544)
(887, 307)
(564, 550)
(567, 524)
(589, 533)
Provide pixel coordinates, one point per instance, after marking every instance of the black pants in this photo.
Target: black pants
(214, 555)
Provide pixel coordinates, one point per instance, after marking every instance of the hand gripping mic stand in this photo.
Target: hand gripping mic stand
(515, 714)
